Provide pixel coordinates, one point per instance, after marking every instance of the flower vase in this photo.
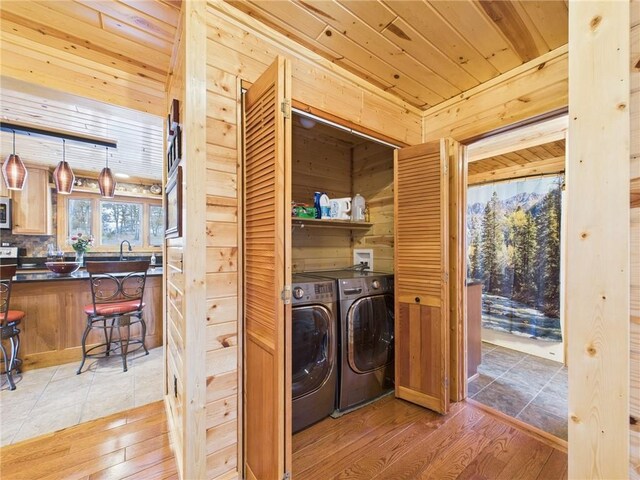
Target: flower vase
(80, 258)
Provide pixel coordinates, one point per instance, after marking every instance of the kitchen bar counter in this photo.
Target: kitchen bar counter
(51, 331)
(40, 276)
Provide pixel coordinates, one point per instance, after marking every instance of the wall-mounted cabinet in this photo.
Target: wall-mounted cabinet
(4, 191)
(341, 164)
(32, 206)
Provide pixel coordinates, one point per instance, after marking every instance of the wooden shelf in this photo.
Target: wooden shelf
(316, 223)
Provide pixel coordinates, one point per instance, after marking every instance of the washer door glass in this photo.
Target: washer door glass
(311, 348)
(370, 333)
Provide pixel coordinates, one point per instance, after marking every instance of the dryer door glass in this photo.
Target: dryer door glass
(312, 354)
(370, 333)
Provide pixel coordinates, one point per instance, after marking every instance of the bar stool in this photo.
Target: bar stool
(9, 320)
(117, 289)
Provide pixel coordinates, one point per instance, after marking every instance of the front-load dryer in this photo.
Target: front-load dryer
(313, 349)
(366, 340)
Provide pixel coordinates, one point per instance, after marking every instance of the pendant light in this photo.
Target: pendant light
(13, 170)
(106, 182)
(63, 175)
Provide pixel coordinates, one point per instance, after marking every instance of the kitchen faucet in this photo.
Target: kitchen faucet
(121, 245)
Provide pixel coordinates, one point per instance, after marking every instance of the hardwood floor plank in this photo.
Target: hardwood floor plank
(389, 439)
(129, 467)
(165, 469)
(374, 460)
(428, 449)
(328, 426)
(556, 467)
(133, 443)
(397, 417)
(526, 467)
(451, 463)
(146, 446)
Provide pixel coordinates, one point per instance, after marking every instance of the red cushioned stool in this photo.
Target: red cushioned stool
(9, 321)
(117, 289)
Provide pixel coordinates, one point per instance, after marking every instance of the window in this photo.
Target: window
(79, 216)
(120, 221)
(156, 225)
(139, 220)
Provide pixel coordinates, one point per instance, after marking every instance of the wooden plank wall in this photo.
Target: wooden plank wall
(320, 163)
(185, 268)
(597, 277)
(239, 49)
(373, 179)
(175, 299)
(537, 87)
(635, 242)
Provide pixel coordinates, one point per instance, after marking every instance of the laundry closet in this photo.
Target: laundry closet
(340, 164)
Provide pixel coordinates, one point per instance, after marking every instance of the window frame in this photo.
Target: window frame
(62, 222)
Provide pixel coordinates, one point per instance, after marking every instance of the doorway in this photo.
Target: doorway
(514, 240)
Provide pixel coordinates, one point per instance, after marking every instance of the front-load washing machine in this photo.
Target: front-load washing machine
(366, 354)
(314, 345)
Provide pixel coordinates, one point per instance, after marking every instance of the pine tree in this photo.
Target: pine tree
(492, 244)
(548, 264)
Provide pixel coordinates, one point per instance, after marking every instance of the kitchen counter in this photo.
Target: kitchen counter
(81, 274)
(51, 331)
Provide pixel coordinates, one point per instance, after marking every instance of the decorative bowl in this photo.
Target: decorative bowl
(63, 268)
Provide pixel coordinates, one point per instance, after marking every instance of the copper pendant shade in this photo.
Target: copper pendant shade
(63, 175)
(13, 170)
(106, 181)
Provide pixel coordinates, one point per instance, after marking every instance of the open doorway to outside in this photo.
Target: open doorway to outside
(514, 226)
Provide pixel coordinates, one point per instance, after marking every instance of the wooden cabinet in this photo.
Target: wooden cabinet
(4, 191)
(32, 206)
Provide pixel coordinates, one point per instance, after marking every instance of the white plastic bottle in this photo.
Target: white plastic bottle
(358, 205)
(153, 259)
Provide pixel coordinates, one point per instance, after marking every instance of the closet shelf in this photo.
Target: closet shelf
(317, 223)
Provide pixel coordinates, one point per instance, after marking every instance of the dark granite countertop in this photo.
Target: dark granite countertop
(38, 263)
(79, 275)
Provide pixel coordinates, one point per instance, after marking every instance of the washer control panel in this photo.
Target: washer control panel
(321, 291)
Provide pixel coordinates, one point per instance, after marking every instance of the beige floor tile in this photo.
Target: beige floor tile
(48, 422)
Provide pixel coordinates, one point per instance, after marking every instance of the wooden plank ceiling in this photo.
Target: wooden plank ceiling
(118, 52)
(422, 51)
(139, 136)
(542, 159)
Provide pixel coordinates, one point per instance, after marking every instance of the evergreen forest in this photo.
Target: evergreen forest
(513, 244)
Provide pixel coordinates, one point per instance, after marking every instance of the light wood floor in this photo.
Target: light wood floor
(393, 439)
(132, 445)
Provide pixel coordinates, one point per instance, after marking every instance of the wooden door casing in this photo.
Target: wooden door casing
(267, 271)
(421, 274)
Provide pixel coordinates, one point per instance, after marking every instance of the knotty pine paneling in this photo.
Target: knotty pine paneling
(373, 179)
(222, 260)
(321, 163)
(535, 88)
(175, 296)
(244, 47)
(634, 103)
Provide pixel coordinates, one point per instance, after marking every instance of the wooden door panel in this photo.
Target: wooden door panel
(421, 274)
(267, 270)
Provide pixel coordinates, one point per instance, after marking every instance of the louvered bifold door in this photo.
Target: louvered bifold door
(421, 271)
(267, 271)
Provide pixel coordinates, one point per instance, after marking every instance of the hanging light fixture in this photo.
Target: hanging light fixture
(13, 170)
(63, 175)
(106, 182)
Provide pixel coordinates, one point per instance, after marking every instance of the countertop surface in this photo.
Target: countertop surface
(79, 275)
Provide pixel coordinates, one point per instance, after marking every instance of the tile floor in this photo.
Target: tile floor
(52, 398)
(523, 386)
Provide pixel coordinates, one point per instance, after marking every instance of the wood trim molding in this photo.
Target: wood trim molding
(527, 136)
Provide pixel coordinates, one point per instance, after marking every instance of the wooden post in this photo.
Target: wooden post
(597, 286)
(195, 203)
